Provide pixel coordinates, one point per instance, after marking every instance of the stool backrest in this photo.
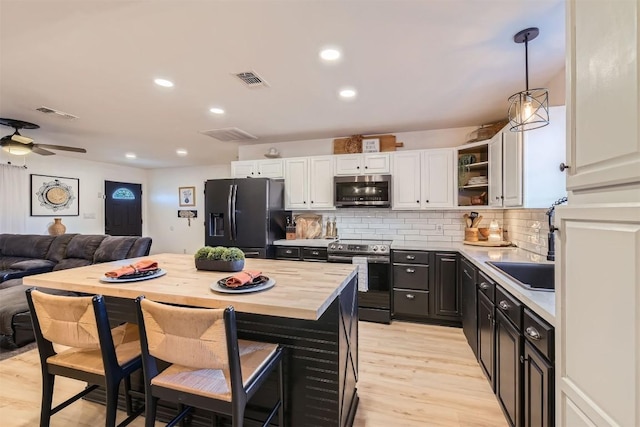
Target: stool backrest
(191, 337)
(69, 321)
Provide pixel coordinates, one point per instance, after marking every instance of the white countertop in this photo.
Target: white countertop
(541, 302)
(315, 243)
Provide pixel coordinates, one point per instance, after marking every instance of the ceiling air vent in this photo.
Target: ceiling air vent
(229, 134)
(251, 79)
(47, 110)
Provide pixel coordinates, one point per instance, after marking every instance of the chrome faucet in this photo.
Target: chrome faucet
(551, 253)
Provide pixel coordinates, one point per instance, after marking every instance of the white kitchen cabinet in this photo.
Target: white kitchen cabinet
(423, 179)
(602, 90)
(308, 183)
(495, 171)
(296, 183)
(321, 183)
(362, 164)
(511, 168)
(436, 178)
(598, 238)
(271, 168)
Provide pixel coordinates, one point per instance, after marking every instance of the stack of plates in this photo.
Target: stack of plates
(477, 180)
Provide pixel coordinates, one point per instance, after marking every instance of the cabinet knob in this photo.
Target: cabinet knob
(305, 202)
(411, 257)
(489, 316)
(563, 167)
(417, 201)
(410, 270)
(503, 305)
(532, 333)
(497, 197)
(427, 201)
(312, 201)
(259, 173)
(410, 296)
(357, 167)
(315, 253)
(288, 251)
(366, 167)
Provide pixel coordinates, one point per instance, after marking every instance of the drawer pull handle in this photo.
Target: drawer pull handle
(532, 333)
(410, 296)
(411, 257)
(288, 251)
(315, 253)
(484, 286)
(410, 270)
(503, 305)
(489, 316)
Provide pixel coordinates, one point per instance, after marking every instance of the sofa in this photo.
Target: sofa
(23, 255)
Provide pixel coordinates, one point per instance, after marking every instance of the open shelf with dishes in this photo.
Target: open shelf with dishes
(473, 174)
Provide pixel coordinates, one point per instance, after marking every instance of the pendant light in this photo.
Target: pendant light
(528, 109)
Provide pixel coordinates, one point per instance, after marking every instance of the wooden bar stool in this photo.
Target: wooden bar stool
(210, 368)
(99, 355)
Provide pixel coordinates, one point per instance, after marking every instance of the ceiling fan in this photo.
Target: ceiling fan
(21, 145)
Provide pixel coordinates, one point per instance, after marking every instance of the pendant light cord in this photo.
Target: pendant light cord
(526, 61)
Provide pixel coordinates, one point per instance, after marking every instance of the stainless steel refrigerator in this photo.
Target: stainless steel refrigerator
(247, 213)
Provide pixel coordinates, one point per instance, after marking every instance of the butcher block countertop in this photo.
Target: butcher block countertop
(302, 290)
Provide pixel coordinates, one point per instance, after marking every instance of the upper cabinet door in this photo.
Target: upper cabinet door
(376, 163)
(406, 180)
(512, 168)
(603, 94)
(349, 164)
(436, 178)
(296, 183)
(495, 170)
(273, 168)
(321, 183)
(243, 169)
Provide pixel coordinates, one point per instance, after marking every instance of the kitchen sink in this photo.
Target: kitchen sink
(537, 277)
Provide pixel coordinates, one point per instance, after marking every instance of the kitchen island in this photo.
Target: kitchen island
(312, 311)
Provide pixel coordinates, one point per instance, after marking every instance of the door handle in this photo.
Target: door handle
(229, 204)
(234, 228)
(503, 305)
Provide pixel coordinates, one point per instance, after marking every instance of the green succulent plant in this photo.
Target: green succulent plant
(232, 254)
(219, 253)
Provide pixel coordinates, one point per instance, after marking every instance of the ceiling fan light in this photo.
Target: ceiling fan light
(529, 110)
(16, 149)
(22, 139)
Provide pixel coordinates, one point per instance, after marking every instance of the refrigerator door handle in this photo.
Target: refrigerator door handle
(229, 205)
(233, 213)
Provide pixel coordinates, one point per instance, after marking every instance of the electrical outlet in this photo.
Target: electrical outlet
(184, 251)
(439, 227)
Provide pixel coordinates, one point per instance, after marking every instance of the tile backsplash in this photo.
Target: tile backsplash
(373, 223)
(526, 228)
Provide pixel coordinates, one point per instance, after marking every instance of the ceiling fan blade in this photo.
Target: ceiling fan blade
(61, 147)
(42, 151)
(22, 139)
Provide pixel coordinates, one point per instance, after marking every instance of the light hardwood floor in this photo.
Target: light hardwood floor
(410, 375)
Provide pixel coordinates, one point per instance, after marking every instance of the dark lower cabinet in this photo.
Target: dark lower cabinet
(486, 337)
(446, 301)
(538, 389)
(467, 280)
(508, 374)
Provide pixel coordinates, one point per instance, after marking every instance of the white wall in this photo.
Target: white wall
(91, 177)
(557, 89)
(170, 233)
(318, 147)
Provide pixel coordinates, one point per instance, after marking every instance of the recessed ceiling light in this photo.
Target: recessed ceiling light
(348, 93)
(163, 82)
(181, 152)
(216, 110)
(330, 54)
(130, 155)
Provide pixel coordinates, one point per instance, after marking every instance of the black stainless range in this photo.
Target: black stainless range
(374, 296)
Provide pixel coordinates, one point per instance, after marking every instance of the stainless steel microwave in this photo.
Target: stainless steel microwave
(362, 191)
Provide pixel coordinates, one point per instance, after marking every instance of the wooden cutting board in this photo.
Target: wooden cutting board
(347, 146)
(487, 243)
(308, 226)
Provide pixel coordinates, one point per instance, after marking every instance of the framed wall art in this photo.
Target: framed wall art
(54, 196)
(187, 196)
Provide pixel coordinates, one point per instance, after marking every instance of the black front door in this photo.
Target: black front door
(122, 209)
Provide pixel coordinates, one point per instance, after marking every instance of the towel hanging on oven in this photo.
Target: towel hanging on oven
(363, 272)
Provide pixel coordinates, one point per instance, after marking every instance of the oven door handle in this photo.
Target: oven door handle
(349, 259)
